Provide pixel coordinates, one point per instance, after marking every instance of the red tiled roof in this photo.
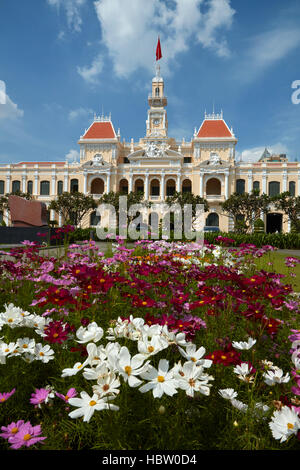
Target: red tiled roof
(100, 130)
(214, 128)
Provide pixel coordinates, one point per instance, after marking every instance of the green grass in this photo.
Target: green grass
(275, 262)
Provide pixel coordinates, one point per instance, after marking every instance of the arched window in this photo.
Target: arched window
(16, 186)
(123, 186)
(256, 186)
(29, 187)
(74, 185)
(44, 188)
(186, 186)
(240, 186)
(274, 188)
(94, 218)
(292, 188)
(212, 220)
(97, 186)
(213, 187)
(60, 187)
(154, 187)
(2, 187)
(157, 91)
(171, 187)
(139, 186)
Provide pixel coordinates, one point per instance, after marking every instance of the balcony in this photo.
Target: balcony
(214, 197)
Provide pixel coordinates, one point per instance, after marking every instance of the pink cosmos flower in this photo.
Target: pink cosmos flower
(27, 435)
(6, 395)
(40, 396)
(71, 393)
(11, 429)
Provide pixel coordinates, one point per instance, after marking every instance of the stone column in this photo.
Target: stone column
(264, 183)
(66, 182)
(8, 177)
(162, 187)
(201, 184)
(146, 187)
(108, 182)
(178, 183)
(226, 185)
(85, 182)
(36, 182)
(284, 181)
(53, 189)
(24, 189)
(250, 180)
(130, 183)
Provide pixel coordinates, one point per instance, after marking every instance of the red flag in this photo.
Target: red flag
(158, 50)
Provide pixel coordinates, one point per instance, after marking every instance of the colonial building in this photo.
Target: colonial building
(158, 165)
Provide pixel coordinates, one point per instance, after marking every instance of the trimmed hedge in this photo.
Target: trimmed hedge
(278, 240)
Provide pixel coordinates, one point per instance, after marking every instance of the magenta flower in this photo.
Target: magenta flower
(71, 393)
(27, 435)
(11, 429)
(39, 396)
(6, 395)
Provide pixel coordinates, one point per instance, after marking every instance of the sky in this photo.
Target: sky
(61, 61)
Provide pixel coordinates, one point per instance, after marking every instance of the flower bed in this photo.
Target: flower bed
(163, 346)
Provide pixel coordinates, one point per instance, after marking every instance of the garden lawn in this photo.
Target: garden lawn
(275, 261)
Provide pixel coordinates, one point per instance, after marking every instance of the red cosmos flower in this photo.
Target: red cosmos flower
(142, 302)
(271, 325)
(57, 332)
(227, 356)
(255, 280)
(56, 296)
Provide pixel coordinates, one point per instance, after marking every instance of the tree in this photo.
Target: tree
(73, 206)
(245, 209)
(290, 206)
(187, 199)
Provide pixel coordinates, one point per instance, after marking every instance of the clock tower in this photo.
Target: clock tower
(157, 123)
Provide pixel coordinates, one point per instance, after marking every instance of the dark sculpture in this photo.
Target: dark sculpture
(24, 213)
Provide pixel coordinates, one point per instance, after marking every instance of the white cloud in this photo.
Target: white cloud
(79, 113)
(91, 74)
(130, 29)
(72, 156)
(253, 154)
(72, 10)
(8, 109)
(267, 49)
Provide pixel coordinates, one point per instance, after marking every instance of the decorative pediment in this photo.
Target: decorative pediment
(96, 163)
(155, 151)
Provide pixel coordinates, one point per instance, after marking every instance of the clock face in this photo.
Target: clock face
(156, 121)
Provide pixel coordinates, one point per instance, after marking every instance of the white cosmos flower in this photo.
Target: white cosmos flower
(174, 338)
(150, 347)
(191, 379)
(191, 353)
(6, 350)
(99, 371)
(129, 367)
(284, 423)
(95, 354)
(43, 353)
(275, 376)
(68, 372)
(244, 344)
(26, 345)
(92, 332)
(239, 405)
(107, 385)
(243, 370)
(86, 405)
(228, 393)
(160, 380)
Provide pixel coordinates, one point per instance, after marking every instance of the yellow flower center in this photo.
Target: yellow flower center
(27, 437)
(2, 399)
(93, 403)
(14, 430)
(290, 426)
(67, 397)
(150, 349)
(193, 359)
(128, 370)
(160, 378)
(144, 303)
(42, 354)
(25, 346)
(10, 320)
(105, 387)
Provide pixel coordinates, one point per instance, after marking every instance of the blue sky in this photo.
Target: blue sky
(61, 61)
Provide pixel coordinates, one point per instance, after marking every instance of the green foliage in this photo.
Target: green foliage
(73, 206)
(278, 240)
